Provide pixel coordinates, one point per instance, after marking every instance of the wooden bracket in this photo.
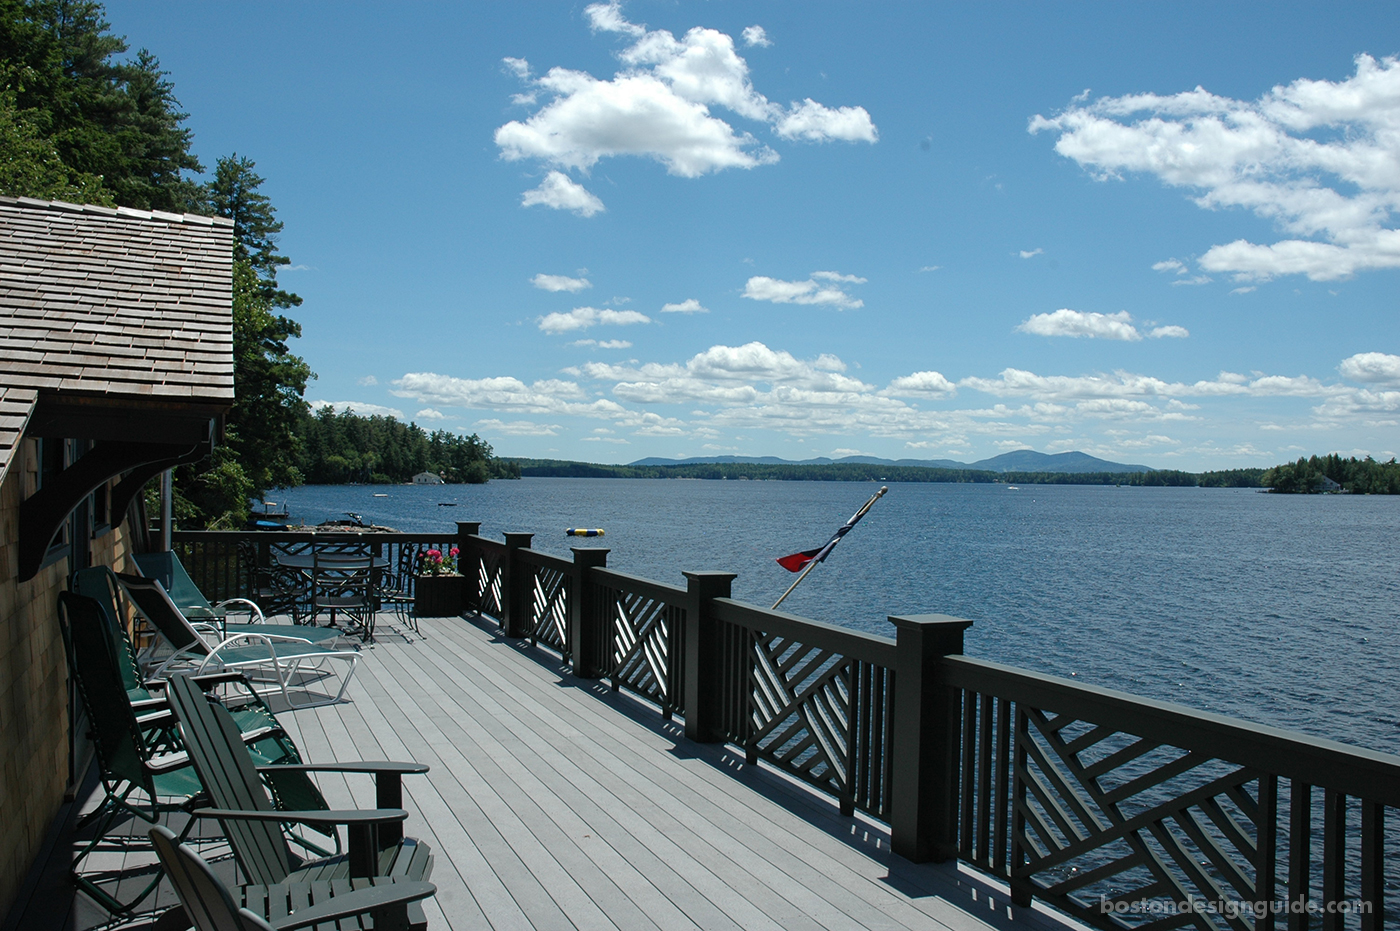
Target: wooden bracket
(44, 512)
(130, 486)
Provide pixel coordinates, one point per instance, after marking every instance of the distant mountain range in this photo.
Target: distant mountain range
(1020, 460)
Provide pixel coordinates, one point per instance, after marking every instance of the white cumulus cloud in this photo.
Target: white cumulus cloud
(754, 35)
(560, 283)
(429, 413)
(659, 106)
(1066, 322)
(687, 306)
(603, 343)
(921, 385)
(518, 427)
(560, 192)
(581, 318)
(1321, 159)
(362, 408)
(1373, 368)
(822, 288)
(814, 122)
(1031, 253)
(1169, 332)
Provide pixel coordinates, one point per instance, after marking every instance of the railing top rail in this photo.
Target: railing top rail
(1317, 761)
(672, 594)
(856, 644)
(548, 560)
(308, 536)
(486, 542)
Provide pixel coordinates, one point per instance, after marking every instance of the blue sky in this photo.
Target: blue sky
(1160, 234)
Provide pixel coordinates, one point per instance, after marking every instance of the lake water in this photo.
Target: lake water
(1274, 608)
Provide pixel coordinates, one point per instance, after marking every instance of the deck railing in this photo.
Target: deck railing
(1122, 811)
(225, 564)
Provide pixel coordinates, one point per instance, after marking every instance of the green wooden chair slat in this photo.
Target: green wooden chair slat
(232, 781)
(233, 784)
(209, 905)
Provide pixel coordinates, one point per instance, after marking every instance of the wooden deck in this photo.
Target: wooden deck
(554, 803)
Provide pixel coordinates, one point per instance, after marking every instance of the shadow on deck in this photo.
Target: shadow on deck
(556, 803)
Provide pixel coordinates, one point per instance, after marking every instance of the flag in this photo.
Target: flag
(796, 562)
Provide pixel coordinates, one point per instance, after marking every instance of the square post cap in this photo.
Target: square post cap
(514, 540)
(591, 555)
(709, 584)
(930, 623)
(469, 527)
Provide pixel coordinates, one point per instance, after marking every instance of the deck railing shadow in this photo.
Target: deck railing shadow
(1123, 812)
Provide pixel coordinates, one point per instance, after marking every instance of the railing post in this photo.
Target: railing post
(471, 593)
(923, 803)
(517, 586)
(587, 625)
(702, 655)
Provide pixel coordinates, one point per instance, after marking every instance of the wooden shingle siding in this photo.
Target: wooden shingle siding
(34, 769)
(111, 302)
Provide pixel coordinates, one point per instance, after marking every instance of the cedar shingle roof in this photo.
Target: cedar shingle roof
(111, 302)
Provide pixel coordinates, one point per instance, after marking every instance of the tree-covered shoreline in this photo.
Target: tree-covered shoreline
(1354, 476)
(876, 472)
(343, 448)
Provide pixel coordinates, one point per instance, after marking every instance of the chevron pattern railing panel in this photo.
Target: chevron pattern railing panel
(645, 646)
(552, 590)
(1136, 824)
(822, 717)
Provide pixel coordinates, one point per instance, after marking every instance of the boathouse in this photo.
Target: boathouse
(116, 363)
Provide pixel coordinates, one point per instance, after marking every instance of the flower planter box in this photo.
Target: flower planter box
(439, 595)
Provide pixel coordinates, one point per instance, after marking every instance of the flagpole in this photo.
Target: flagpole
(850, 523)
(810, 566)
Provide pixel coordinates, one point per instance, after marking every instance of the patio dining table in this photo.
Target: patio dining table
(348, 590)
(309, 560)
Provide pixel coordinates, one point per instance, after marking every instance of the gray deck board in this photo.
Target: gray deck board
(555, 803)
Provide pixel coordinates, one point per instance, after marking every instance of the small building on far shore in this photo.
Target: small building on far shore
(428, 478)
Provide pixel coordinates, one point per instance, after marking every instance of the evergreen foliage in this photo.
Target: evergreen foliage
(336, 448)
(1357, 476)
(261, 445)
(234, 193)
(101, 130)
(268, 379)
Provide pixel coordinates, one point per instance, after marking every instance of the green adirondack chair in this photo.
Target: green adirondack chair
(377, 846)
(166, 568)
(293, 790)
(136, 778)
(264, 657)
(209, 905)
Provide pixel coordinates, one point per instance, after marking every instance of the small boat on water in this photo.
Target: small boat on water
(381, 494)
(1012, 488)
